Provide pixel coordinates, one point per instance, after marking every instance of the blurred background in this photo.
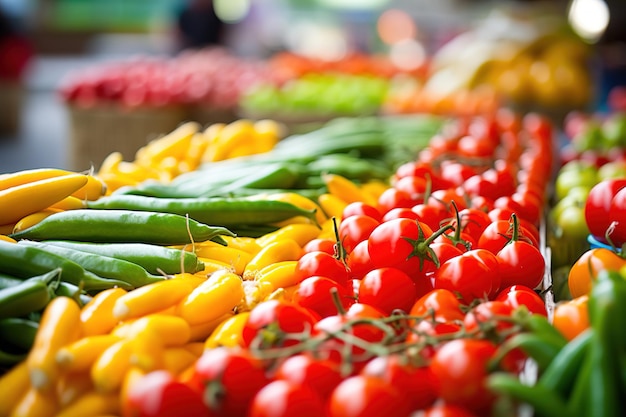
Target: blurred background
(76, 75)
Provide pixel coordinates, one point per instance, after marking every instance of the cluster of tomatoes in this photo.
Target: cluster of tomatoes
(407, 308)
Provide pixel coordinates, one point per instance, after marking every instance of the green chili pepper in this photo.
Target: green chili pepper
(7, 281)
(25, 261)
(28, 296)
(117, 226)
(103, 266)
(537, 346)
(155, 259)
(225, 211)
(545, 402)
(72, 291)
(18, 332)
(560, 375)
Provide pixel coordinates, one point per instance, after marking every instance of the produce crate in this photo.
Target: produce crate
(95, 132)
(206, 115)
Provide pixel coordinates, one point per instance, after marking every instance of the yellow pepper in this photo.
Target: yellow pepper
(229, 333)
(96, 316)
(151, 298)
(280, 250)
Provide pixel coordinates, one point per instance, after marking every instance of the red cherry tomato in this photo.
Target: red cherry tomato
(323, 264)
(235, 375)
(417, 383)
(359, 207)
(359, 261)
(489, 311)
(521, 295)
(461, 367)
(598, 206)
(159, 394)
(367, 396)
(443, 305)
(320, 245)
(283, 398)
(387, 289)
(280, 318)
(521, 263)
(321, 375)
(314, 293)
(392, 198)
(355, 229)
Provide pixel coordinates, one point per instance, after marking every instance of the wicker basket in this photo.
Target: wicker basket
(98, 131)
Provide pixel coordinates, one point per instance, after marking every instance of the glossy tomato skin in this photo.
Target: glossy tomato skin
(387, 289)
(392, 198)
(489, 311)
(359, 261)
(440, 304)
(283, 398)
(461, 367)
(447, 410)
(359, 207)
(521, 263)
(159, 394)
(521, 295)
(416, 382)
(230, 378)
(473, 275)
(320, 245)
(356, 229)
(393, 243)
(499, 232)
(314, 293)
(334, 348)
(617, 218)
(281, 318)
(367, 396)
(598, 206)
(323, 264)
(320, 375)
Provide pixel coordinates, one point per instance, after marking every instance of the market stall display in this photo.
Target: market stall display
(463, 258)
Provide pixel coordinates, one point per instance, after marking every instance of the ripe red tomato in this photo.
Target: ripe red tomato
(323, 264)
(415, 382)
(359, 207)
(359, 261)
(320, 245)
(387, 289)
(334, 348)
(617, 218)
(355, 229)
(447, 410)
(400, 212)
(283, 398)
(521, 295)
(425, 334)
(314, 293)
(280, 318)
(473, 275)
(367, 396)
(488, 312)
(396, 243)
(441, 304)
(230, 378)
(598, 205)
(392, 198)
(499, 232)
(431, 214)
(159, 394)
(461, 367)
(521, 263)
(321, 375)
(414, 186)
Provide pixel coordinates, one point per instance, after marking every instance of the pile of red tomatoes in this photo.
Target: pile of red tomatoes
(407, 309)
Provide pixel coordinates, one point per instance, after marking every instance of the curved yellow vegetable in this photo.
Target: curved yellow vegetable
(177, 359)
(81, 354)
(170, 330)
(302, 233)
(36, 403)
(93, 190)
(229, 333)
(21, 200)
(280, 250)
(237, 259)
(96, 316)
(212, 299)
(109, 370)
(279, 274)
(175, 143)
(13, 179)
(69, 203)
(332, 205)
(92, 403)
(71, 386)
(151, 298)
(59, 326)
(200, 332)
(347, 190)
(32, 219)
(7, 238)
(13, 385)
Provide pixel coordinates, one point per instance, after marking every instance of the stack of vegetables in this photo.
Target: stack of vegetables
(320, 290)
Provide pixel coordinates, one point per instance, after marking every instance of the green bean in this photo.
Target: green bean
(103, 266)
(118, 226)
(25, 262)
(225, 212)
(18, 332)
(28, 296)
(155, 259)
